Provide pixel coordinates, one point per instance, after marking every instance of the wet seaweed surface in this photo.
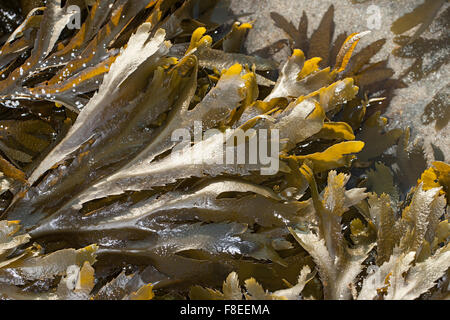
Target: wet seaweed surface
(95, 206)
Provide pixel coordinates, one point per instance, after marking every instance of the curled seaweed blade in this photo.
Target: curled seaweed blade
(347, 49)
(336, 156)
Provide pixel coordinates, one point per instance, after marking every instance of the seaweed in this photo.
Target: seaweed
(374, 78)
(110, 206)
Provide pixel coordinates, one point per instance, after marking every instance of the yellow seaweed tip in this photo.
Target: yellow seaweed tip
(242, 26)
(234, 70)
(298, 53)
(144, 293)
(310, 66)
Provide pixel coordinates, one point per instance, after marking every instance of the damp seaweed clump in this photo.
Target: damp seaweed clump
(96, 206)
